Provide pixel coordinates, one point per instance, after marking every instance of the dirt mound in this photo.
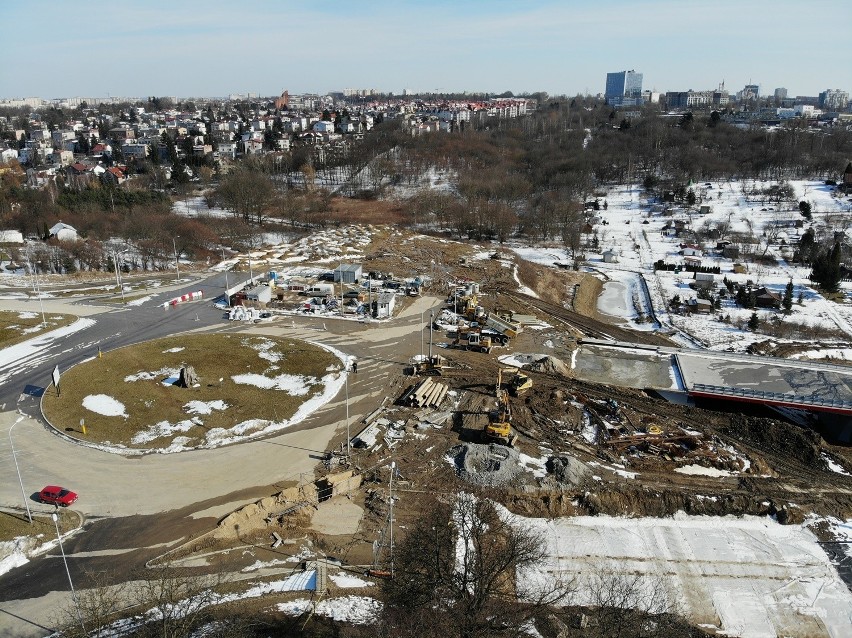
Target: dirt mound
(624, 500)
(787, 440)
(549, 365)
(487, 465)
(568, 470)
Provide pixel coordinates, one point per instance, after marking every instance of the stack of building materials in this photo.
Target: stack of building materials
(427, 393)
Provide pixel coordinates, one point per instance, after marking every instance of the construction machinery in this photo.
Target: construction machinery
(472, 338)
(429, 366)
(499, 426)
(518, 382)
(503, 325)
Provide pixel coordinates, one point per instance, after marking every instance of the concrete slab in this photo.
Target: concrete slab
(762, 376)
(632, 368)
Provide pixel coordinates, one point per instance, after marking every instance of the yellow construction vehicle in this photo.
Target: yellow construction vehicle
(429, 366)
(499, 427)
(518, 382)
(472, 311)
(473, 338)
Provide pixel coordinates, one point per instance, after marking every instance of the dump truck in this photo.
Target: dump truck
(499, 426)
(503, 326)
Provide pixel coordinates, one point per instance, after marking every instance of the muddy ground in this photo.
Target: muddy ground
(581, 449)
(600, 450)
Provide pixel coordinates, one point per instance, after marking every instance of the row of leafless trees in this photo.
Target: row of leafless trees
(457, 572)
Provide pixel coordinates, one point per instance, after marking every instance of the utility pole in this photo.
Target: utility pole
(431, 324)
(18, 470)
(348, 437)
(177, 262)
(55, 517)
(390, 515)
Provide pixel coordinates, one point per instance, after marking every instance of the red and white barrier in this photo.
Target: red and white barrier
(190, 296)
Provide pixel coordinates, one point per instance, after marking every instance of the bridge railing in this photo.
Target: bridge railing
(771, 396)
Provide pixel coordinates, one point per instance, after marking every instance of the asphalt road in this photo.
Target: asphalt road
(138, 506)
(114, 327)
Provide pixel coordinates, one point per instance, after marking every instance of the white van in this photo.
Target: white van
(318, 290)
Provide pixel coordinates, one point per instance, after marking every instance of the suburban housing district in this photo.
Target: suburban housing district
(427, 364)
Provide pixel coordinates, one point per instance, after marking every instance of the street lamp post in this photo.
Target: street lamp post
(346, 383)
(55, 517)
(390, 514)
(18, 470)
(38, 294)
(227, 296)
(118, 281)
(177, 262)
(431, 324)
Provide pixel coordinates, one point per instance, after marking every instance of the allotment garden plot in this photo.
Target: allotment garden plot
(130, 401)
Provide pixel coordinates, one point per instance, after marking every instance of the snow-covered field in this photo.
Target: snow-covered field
(636, 233)
(748, 576)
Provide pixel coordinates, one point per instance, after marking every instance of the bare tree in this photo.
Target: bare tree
(97, 606)
(175, 603)
(628, 605)
(458, 567)
(248, 194)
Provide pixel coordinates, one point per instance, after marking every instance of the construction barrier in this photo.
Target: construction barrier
(190, 296)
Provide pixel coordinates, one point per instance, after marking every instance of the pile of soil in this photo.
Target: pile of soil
(549, 365)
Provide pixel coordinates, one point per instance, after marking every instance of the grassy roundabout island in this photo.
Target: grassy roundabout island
(129, 400)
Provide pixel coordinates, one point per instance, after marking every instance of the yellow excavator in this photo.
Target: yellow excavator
(499, 427)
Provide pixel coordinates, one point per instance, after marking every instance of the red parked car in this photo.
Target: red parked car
(55, 495)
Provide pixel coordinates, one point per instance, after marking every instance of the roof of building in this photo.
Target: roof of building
(348, 268)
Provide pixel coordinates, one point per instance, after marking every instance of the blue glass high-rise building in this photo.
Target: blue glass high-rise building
(623, 84)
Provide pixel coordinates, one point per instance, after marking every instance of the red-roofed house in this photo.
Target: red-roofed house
(113, 176)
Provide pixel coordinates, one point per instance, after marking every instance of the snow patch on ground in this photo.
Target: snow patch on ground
(105, 405)
(700, 470)
(750, 574)
(205, 407)
(160, 430)
(293, 384)
(149, 376)
(342, 579)
(358, 610)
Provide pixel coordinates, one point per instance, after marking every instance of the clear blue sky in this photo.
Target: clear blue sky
(183, 48)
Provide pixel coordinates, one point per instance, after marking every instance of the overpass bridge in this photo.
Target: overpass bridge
(706, 374)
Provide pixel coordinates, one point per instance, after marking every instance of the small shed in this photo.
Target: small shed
(610, 257)
(766, 298)
(705, 280)
(348, 273)
(700, 306)
(259, 294)
(63, 232)
(385, 304)
(11, 237)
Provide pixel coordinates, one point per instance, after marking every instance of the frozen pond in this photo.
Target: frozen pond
(615, 301)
